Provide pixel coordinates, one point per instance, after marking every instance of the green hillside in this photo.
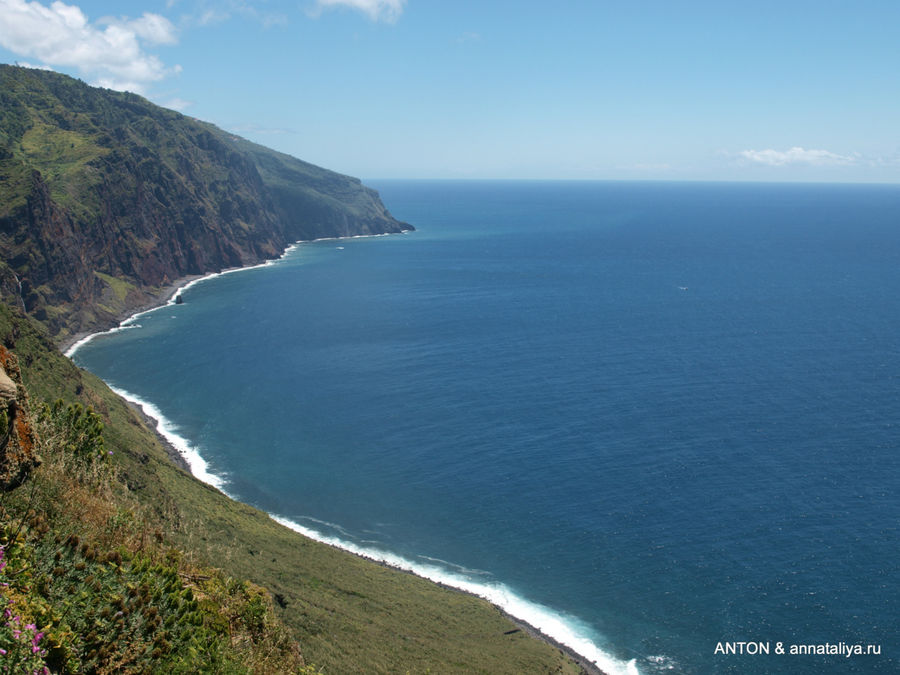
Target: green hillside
(116, 559)
(348, 615)
(98, 185)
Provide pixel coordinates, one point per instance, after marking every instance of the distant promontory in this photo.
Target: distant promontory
(107, 199)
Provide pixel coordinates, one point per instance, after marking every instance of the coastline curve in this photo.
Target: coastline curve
(542, 622)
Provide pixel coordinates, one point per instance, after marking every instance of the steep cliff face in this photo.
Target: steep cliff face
(18, 455)
(106, 198)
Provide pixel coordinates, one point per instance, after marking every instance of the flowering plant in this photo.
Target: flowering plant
(20, 643)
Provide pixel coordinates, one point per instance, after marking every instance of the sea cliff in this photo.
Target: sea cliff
(106, 199)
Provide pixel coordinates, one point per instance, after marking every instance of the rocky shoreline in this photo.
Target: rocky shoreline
(162, 298)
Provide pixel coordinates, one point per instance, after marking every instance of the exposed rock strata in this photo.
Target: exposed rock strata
(106, 199)
(17, 441)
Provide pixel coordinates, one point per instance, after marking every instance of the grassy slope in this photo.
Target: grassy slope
(349, 615)
(94, 587)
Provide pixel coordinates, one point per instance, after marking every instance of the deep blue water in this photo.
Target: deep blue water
(668, 413)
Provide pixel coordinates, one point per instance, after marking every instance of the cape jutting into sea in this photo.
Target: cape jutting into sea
(655, 420)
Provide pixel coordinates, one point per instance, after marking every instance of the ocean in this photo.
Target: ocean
(658, 421)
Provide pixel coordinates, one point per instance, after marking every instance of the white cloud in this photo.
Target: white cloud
(176, 103)
(211, 16)
(386, 10)
(110, 51)
(209, 13)
(797, 155)
(25, 64)
(153, 28)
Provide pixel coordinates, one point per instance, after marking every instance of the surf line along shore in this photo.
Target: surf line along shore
(185, 456)
(169, 293)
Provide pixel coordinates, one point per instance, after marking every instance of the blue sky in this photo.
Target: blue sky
(792, 90)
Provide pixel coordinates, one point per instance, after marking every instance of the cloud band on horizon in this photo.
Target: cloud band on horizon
(797, 155)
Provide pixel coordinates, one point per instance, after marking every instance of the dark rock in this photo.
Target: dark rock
(149, 197)
(18, 443)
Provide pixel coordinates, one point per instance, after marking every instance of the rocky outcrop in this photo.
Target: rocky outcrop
(17, 441)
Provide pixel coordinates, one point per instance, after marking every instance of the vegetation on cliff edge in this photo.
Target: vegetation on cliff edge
(116, 559)
(99, 186)
(349, 615)
(90, 584)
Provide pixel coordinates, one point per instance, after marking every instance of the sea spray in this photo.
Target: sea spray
(558, 628)
(564, 630)
(131, 321)
(125, 325)
(525, 388)
(167, 429)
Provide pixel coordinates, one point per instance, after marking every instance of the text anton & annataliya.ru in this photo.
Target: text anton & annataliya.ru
(824, 649)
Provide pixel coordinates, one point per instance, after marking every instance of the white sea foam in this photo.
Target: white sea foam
(333, 526)
(663, 662)
(130, 322)
(199, 466)
(548, 622)
(125, 325)
(173, 297)
(359, 236)
(466, 571)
